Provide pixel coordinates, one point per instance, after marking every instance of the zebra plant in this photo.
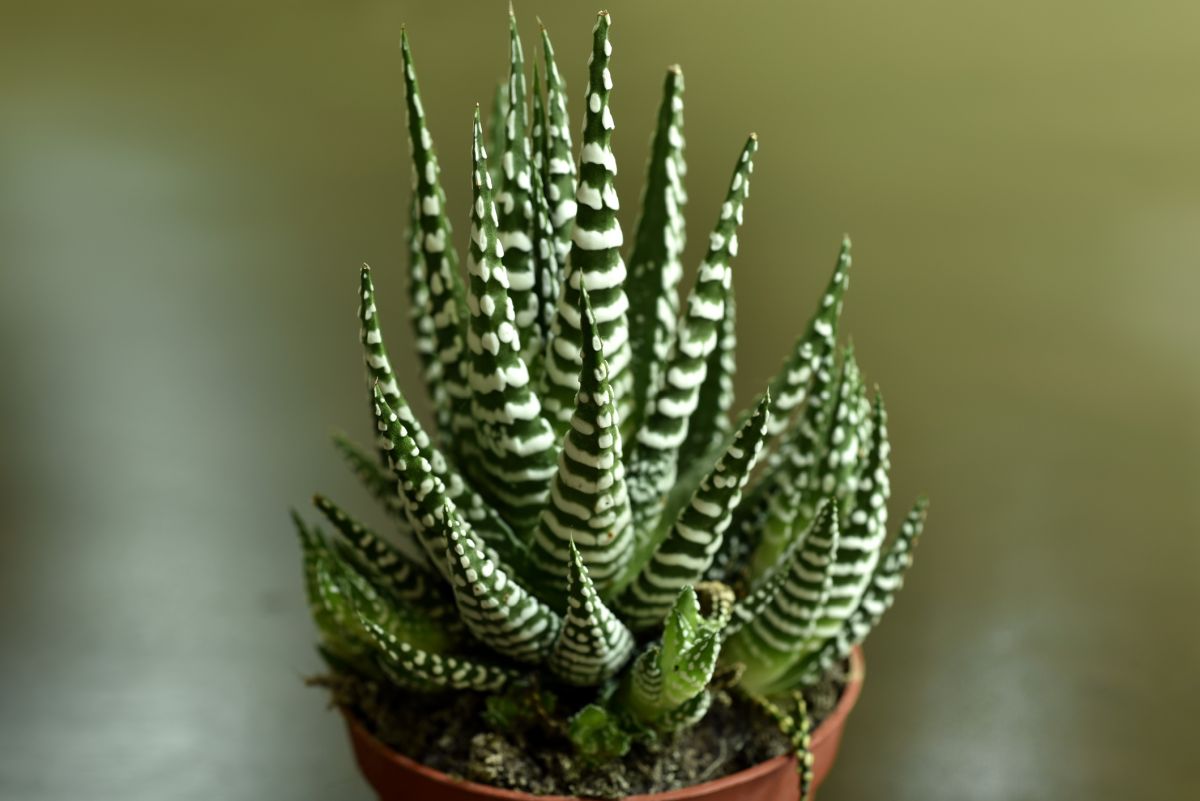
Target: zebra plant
(588, 513)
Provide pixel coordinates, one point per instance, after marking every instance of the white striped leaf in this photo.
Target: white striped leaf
(593, 643)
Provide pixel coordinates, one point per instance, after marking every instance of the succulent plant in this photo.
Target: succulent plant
(589, 513)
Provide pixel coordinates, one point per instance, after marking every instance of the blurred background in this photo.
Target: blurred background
(187, 190)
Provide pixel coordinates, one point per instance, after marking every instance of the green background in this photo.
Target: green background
(187, 189)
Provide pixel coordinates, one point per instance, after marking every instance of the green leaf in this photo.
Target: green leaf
(424, 479)
(398, 574)
(710, 426)
(865, 528)
(595, 263)
(821, 460)
(514, 201)
(495, 129)
(785, 626)
(420, 316)
(447, 308)
(886, 581)
(410, 666)
(517, 444)
(339, 597)
(803, 385)
(380, 482)
(496, 608)
(593, 644)
(560, 157)
(655, 266)
(547, 268)
(597, 735)
(654, 461)
(686, 553)
(814, 349)
(661, 688)
(589, 506)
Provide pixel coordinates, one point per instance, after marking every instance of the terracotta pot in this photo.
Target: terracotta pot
(395, 777)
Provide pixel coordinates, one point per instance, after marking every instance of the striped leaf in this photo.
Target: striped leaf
(338, 596)
(499, 611)
(654, 461)
(667, 677)
(410, 666)
(686, 553)
(864, 530)
(589, 506)
(379, 366)
(840, 465)
(396, 573)
(786, 624)
(547, 270)
(796, 724)
(821, 462)
(446, 307)
(514, 202)
(886, 581)
(425, 482)
(655, 266)
(546, 266)
(805, 383)
(381, 483)
(517, 441)
(559, 176)
(814, 348)
(593, 644)
(495, 129)
(709, 425)
(334, 626)
(420, 315)
(595, 262)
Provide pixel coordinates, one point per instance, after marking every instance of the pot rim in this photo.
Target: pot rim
(828, 727)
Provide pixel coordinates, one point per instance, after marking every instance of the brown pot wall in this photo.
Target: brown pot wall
(395, 777)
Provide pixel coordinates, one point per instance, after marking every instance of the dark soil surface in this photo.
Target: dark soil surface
(450, 733)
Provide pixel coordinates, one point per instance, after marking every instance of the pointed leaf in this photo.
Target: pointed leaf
(790, 386)
(819, 461)
(381, 483)
(547, 268)
(654, 461)
(887, 580)
(495, 129)
(655, 266)
(446, 307)
(595, 262)
(499, 612)
(517, 443)
(420, 315)
(588, 502)
(408, 665)
(804, 384)
(710, 426)
(396, 572)
(593, 643)
(560, 157)
(514, 202)
(424, 480)
(778, 634)
(865, 528)
(661, 688)
(686, 553)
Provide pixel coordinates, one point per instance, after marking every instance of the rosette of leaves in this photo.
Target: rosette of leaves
(589, 512)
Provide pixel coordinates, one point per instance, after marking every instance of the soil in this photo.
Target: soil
(450, 733)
